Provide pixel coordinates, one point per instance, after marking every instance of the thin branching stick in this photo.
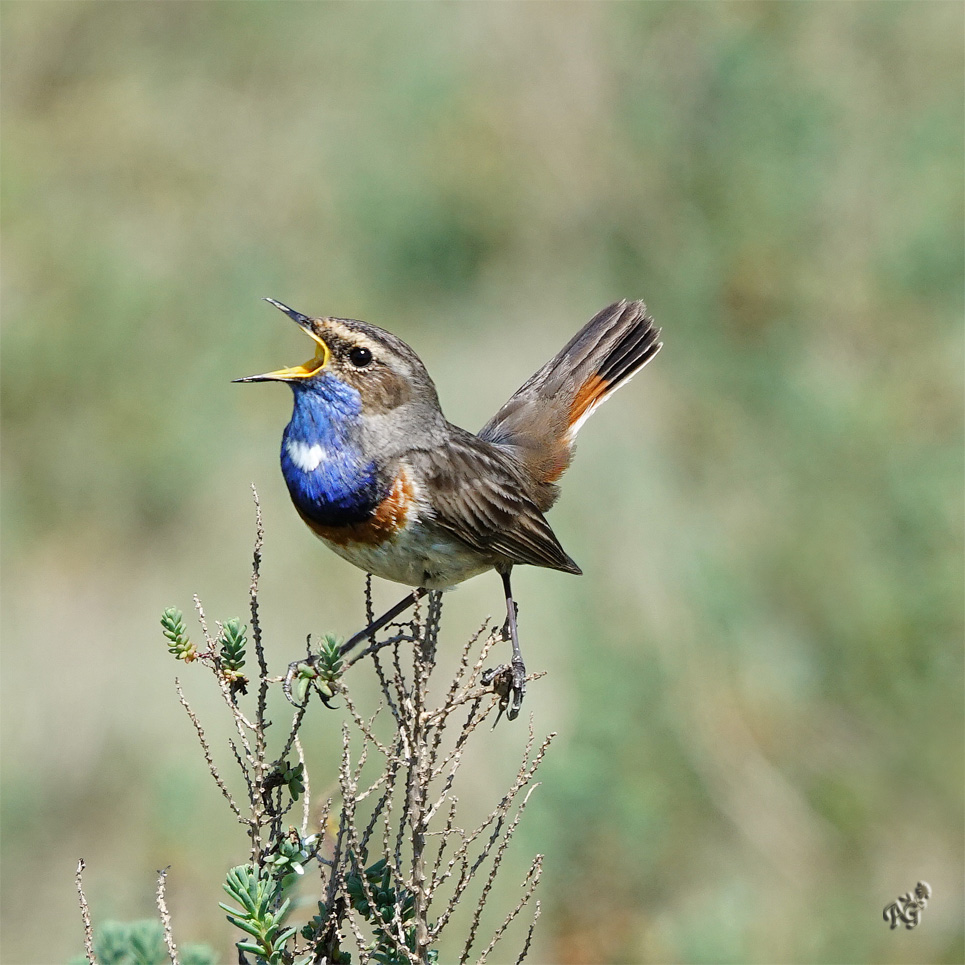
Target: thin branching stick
(85, 913)
(206, 750)
(165, 916)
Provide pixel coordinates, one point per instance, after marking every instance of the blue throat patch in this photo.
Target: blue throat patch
(329, 479)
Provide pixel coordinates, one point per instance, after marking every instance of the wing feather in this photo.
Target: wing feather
(481, 497)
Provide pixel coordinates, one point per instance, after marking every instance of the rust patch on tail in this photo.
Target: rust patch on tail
(556, 457)
(591, 392)
(389, 518)
(557, 451)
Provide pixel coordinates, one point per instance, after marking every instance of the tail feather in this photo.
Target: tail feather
(634, 350)
(539, 423)
(623, 361)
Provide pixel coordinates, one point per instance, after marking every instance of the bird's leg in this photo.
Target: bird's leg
(517, 669)
(368, 633)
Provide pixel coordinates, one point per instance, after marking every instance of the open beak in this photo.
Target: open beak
(306, 369)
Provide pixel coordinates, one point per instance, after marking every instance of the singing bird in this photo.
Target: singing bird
(381, 477)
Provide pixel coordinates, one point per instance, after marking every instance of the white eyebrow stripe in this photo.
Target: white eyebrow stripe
(304, 456)
(353, 336)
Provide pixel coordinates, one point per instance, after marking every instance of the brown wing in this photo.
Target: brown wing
(479, 496)
(539, 423)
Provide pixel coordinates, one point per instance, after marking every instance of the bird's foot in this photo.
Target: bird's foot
(509, 682)
(302, 677)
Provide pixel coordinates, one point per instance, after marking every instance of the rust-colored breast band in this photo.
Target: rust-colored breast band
(388, 519)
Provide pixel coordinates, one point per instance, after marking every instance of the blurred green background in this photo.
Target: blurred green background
(758, 684)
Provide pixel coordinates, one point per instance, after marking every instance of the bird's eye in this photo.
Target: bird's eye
(360, 356)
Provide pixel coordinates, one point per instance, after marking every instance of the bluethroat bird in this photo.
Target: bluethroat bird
(378, 474)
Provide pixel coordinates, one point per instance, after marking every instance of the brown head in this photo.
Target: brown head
(386, 373)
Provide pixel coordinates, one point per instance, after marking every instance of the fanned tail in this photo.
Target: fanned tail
(539, 424)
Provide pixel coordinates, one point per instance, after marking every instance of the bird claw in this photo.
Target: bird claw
(509, 683)
(303, 672)
(296, 669)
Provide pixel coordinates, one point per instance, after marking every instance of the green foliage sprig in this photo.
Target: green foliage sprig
(290, 776)
(232, 653)
(293, 778)
(288, 862)
(172, 625)
(322, 672)
(262, 913)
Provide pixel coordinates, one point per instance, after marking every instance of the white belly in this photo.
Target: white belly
(414, 557)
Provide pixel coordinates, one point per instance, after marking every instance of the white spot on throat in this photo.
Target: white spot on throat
(306, 457)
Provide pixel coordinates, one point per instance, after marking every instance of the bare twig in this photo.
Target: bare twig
(203, 621)
(293, 732)
(165, 917)
(253, 589)
(206, 750)
(307, 795)
(529, 883)
(85, 914)
(529, 934)
(256, 639)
